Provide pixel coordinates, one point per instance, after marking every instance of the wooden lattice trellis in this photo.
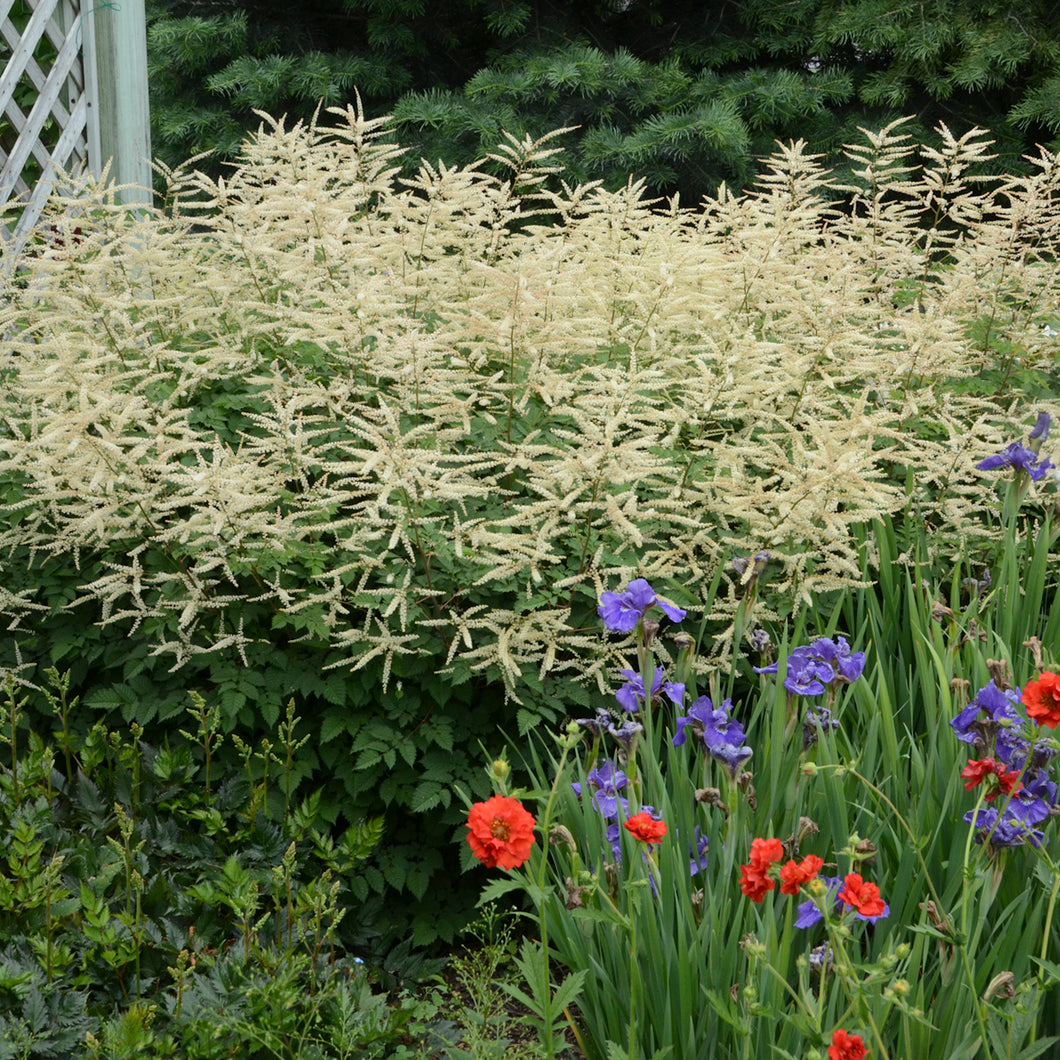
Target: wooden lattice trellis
(73, 96)
(49, 117)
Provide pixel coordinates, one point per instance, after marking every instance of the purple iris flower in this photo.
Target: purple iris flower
(1002, 711)
(1040, 432)
(1039, 787)
(1011, 747)
(598, 725)
(1019, 457)
(815, 721)
(807, 674)
(821, 958)
(700, 714)
(1005, 830)
(626, 733)
(728, 747)
(606, 782)
(1029, 808)
(813, 667)
(697, 853)
(762, 643)
(809, 913)
(723, 736)
(633, 690)
(847, 664)
(621, 612)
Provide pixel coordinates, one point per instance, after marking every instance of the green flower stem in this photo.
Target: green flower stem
(567, 743)
(799, 1000)
(635, 985)
(845, 966)
(966, 963)
(1050, 909)
(646, 665)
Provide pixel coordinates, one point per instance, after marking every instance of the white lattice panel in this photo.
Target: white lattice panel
(47, 103)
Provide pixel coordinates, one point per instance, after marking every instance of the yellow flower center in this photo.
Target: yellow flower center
(500, 829)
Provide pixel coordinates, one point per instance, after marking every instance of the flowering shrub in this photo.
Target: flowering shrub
(312, 431)
(315, 432)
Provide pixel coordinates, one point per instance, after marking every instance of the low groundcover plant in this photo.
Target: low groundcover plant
(153, 905)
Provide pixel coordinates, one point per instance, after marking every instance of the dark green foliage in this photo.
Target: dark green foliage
(208, 74)
(683, 94)
(152, 902)
(358, 753)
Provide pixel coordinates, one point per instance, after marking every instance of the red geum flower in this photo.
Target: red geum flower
(1042, 699)
(644, 827)
(976, 771)
(998, 780)
(1006, 782)
(793, 876)
(755, 881)
(864, 897)
(846, 1046)
(500, 832)
(765, 851)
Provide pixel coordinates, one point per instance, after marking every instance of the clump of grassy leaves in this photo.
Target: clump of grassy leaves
(667, 955)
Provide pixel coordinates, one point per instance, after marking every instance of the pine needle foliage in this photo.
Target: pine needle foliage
(314, 429)
(454, 75)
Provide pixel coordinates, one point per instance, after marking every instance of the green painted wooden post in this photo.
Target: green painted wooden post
(119, 54)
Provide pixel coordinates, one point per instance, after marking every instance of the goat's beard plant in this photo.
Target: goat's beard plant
(312, 362)
(648, 811)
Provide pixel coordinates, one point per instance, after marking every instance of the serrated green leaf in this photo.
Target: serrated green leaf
(366, 759)
(498, 889)
(394, 874)
(269, 708)
(332, 725)
(568, 991)
(426, 796)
